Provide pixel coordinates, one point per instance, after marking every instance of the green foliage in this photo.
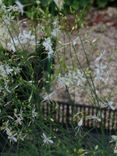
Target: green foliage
(64, 146)
(24, 73)
(75, 5)
(69, 5)
(102, 3)
(22, 79)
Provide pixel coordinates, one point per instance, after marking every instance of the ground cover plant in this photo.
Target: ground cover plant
(32, 63)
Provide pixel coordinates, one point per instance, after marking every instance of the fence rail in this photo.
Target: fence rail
(92, 116)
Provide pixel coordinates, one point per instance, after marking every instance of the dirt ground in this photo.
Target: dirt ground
(99, 36)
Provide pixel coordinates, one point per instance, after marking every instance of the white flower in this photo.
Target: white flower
(100, 57)
(94, 40)
(16, 70)
(109, 104)
(12, 8)
(19, 121)
(20, 7)
(5, 70)
(38, 2)
(7, 19)
(79, 126)
(11, 137)
(65, 81)
(80, 123)
(59, 3)
(72, 78)
(99, 71)
(11, 46)
(48, 97)
(47, 140)
(48, 47)
(25, 38)
(76, 41)
(115, 150)
(19, 117)
(114, 138)
(34, 113)
(55, 32)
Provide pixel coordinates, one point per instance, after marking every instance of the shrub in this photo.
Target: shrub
(26, 63)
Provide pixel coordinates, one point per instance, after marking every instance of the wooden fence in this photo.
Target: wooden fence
(92, 116)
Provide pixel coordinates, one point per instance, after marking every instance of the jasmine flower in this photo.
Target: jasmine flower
(109, 104)
(59, 3)
(5, 70)
(79, 126)
(20, 7)
(47, 140)
(48, 47)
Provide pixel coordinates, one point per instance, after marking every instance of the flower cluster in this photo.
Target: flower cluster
(100, 69)
(5, 70)
(48, 47)
(72, 78)
(24, 47)
(24, 39)
(7, 11)
(7, 18)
